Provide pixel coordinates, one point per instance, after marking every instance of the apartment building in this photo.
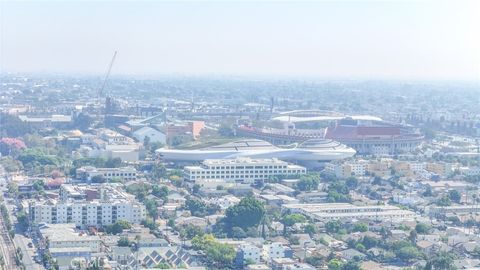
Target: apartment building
(276, 250)
(440, 168)
(379, 168)
(244, 170)
(62, 236)
(125, 173)
(248, 252)
(346, 170)
(84, 206)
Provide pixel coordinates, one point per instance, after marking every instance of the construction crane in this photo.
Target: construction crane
(102, 88)
(100, 91)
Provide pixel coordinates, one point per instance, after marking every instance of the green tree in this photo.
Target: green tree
(444, 201)
(454, 195)
(123, 242)
(113, 163)
(196, 188)
(196, 207)
(369, 242)
(149, 223)
(160, 191)
(360, 227)
(443, 261)
(152, 208)
(422, 228)
(12, 126)
(218, 255)
(351, 265)
(247, 213)
(291, 219)
(98, 179)
(159, 170)
(22, 220)
(333, 226)
(190, 231)
(310, 229)
(308, 182)
(335, 264)
(405, 251)
(118, 227)
(352, 182)
(316, 261)
(238, 232)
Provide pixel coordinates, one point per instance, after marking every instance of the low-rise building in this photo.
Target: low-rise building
(345, 211)
(125, 173)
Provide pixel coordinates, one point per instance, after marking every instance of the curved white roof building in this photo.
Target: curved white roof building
(311, 150)
(300, 116)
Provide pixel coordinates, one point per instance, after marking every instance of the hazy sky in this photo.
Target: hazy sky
(326, 39)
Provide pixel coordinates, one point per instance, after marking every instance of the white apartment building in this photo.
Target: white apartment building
(273, 251)
(66, 236)
(344, 211)
(125, 173)
(224, 202)
(88, 206)
(346, 170)
(470, 171)
(249, 252)
(242, 169)
(417, 166)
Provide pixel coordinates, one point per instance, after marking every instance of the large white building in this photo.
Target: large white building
(88, 206)
(242, 170)
(349, 212)
(309, 151)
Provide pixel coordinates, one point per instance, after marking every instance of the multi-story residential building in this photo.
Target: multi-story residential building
(276, 250)
(346, 170)
(440, 168)
(66, 236)
(244, 170)
(88, 207)
(248, 253)
(345, 211)
(125, 173)
(417, 166)
(378, 168)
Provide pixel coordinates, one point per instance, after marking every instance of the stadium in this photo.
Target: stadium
(368, 135)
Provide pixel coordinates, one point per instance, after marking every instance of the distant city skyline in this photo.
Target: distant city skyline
(432, 40)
